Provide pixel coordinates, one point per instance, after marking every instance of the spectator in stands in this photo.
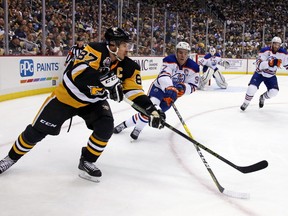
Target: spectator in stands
(258, 14)
(58, 48)
(49, 47)
(2, 51)
(29, 46)
(14, 46)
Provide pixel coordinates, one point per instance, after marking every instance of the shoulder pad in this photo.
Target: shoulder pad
(133, 64)
(170, 59)
(207, 56)
(282, 50)
(265, 49)
(193, 65)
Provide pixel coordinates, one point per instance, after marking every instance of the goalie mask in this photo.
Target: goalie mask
(212, 51)
(114, 37)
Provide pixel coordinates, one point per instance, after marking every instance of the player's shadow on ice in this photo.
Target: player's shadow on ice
(235, 89)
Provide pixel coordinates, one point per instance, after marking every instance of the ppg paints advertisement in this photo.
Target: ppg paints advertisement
(20, 75)
(29, 73)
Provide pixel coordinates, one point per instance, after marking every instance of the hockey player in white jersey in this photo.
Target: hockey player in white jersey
(179, 76)
(209, 63)
(269, 60)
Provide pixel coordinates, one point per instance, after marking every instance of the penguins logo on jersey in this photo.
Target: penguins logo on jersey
(105, 107)
(96, 91)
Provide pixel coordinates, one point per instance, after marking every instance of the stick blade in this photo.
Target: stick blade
(238, 195)
(255, 167)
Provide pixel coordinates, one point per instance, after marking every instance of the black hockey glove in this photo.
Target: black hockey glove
(112, 83)
(116, 93)
(156, 117)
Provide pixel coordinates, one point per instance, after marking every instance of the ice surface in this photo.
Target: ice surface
(160, 174)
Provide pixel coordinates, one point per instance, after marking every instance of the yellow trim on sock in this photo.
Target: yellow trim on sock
(17, 151)
(24, 143)
(99, 142)
(94, 152)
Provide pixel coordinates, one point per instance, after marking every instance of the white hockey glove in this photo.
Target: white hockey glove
(156, 117)
(112, 83)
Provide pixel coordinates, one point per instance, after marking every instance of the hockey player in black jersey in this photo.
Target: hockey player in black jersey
(100, 71)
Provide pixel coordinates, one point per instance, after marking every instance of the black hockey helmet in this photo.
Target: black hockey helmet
(116, 34)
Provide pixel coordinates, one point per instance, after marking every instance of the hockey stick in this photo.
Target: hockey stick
(220, 188)
(244, 169)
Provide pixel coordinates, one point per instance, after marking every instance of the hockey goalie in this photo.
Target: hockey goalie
(210, 69)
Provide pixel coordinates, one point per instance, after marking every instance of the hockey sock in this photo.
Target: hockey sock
(137, 120)
(250, 93)
(95, 147)
(20, 147)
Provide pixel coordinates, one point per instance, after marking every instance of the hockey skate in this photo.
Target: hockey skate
(88, 170)
(119, 128)
(261, 101)
(244, 106)
(135, 133)
(6, 163)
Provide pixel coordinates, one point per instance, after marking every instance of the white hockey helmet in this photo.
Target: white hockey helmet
(212, 50)
(276, 40)
(183, 45)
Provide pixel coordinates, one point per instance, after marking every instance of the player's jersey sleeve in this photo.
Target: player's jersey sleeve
(285, 61)
(218, 58)
(191, 76)
(262, 59)
(205, 59)
(262, 62)
(81, 85)
(168, 69)
(129, 73)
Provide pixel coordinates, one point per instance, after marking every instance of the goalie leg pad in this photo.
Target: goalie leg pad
(206, 77)
(220, 80)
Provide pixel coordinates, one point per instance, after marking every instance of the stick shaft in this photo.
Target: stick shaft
(220, 188)
(244, 169)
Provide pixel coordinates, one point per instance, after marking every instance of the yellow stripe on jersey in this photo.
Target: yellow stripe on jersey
(48, 99)
(90, 55)
(133, 96)
(133, 82)
(133, 86)
(63, 96)
(78, 70)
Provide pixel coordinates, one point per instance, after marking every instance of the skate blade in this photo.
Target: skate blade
(133, 140)
(84, 175)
